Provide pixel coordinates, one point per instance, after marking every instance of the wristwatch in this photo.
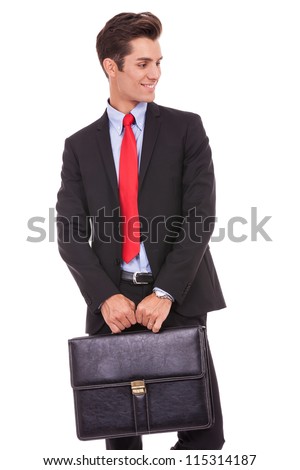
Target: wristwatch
(163, 295)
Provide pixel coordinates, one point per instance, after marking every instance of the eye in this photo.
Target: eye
(158, 64)
(142, 66)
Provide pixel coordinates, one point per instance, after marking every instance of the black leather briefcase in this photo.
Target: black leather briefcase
(140, 382)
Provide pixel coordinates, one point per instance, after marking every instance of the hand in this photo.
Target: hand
(152, 312)
(118, 313)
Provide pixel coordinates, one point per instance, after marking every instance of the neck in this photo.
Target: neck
(116, 101)
(123, 107)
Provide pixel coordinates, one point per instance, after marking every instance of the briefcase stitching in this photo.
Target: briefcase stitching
(147, 381)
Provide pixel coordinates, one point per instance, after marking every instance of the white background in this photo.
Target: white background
(234, 62)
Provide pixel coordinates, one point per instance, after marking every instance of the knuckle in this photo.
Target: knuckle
(143, 311)
(120, 316)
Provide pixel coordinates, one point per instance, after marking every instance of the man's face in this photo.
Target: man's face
(139, 77)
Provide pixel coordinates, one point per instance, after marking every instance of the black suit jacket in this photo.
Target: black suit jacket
(176, 206)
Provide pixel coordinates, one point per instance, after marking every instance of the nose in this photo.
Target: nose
(154, 72)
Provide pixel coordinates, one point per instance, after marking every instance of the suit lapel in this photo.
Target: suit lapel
(106, 153)
(152, 124)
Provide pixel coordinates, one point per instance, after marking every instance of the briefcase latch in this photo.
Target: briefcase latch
(138, 387)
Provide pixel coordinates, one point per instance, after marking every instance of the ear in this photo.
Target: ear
(110, 67)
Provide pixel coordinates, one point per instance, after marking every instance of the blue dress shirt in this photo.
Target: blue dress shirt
(140, 263)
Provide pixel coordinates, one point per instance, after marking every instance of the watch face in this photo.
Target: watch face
(159, 294)
(162, 295)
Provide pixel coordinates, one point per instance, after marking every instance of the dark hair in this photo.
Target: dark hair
(113, 40)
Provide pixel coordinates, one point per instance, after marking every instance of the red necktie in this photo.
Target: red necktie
(128, 192)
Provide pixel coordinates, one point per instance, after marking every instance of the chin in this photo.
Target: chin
(148, 99)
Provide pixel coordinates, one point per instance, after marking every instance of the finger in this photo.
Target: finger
(150, 324)
(130, 303)
(139, 315)
(114, 329)
(157, 326)
(119, 324)
(149, 321)
(145, 320)
(124, 321)
(131, 317)
(143, 316)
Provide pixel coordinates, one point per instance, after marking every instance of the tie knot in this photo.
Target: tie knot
(128, 120)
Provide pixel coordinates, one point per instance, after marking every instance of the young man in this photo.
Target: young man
(142, 177)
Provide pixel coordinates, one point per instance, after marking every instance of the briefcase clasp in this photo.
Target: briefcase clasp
(138, 387)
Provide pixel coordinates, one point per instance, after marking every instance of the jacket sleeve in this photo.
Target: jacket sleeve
(74, 231)
(198, 214)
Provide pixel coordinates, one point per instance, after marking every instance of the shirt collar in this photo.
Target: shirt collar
(116, 117)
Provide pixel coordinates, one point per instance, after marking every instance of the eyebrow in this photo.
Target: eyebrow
(147, 59)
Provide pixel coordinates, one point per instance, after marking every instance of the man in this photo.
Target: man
(140, 183)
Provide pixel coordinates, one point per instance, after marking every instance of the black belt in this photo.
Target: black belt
(137, 278)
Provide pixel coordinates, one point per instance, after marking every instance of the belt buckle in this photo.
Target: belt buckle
(135, 281)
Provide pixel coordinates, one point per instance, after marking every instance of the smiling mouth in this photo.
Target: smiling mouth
(148, 85)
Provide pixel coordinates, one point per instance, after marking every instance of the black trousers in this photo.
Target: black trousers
(209, 439)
